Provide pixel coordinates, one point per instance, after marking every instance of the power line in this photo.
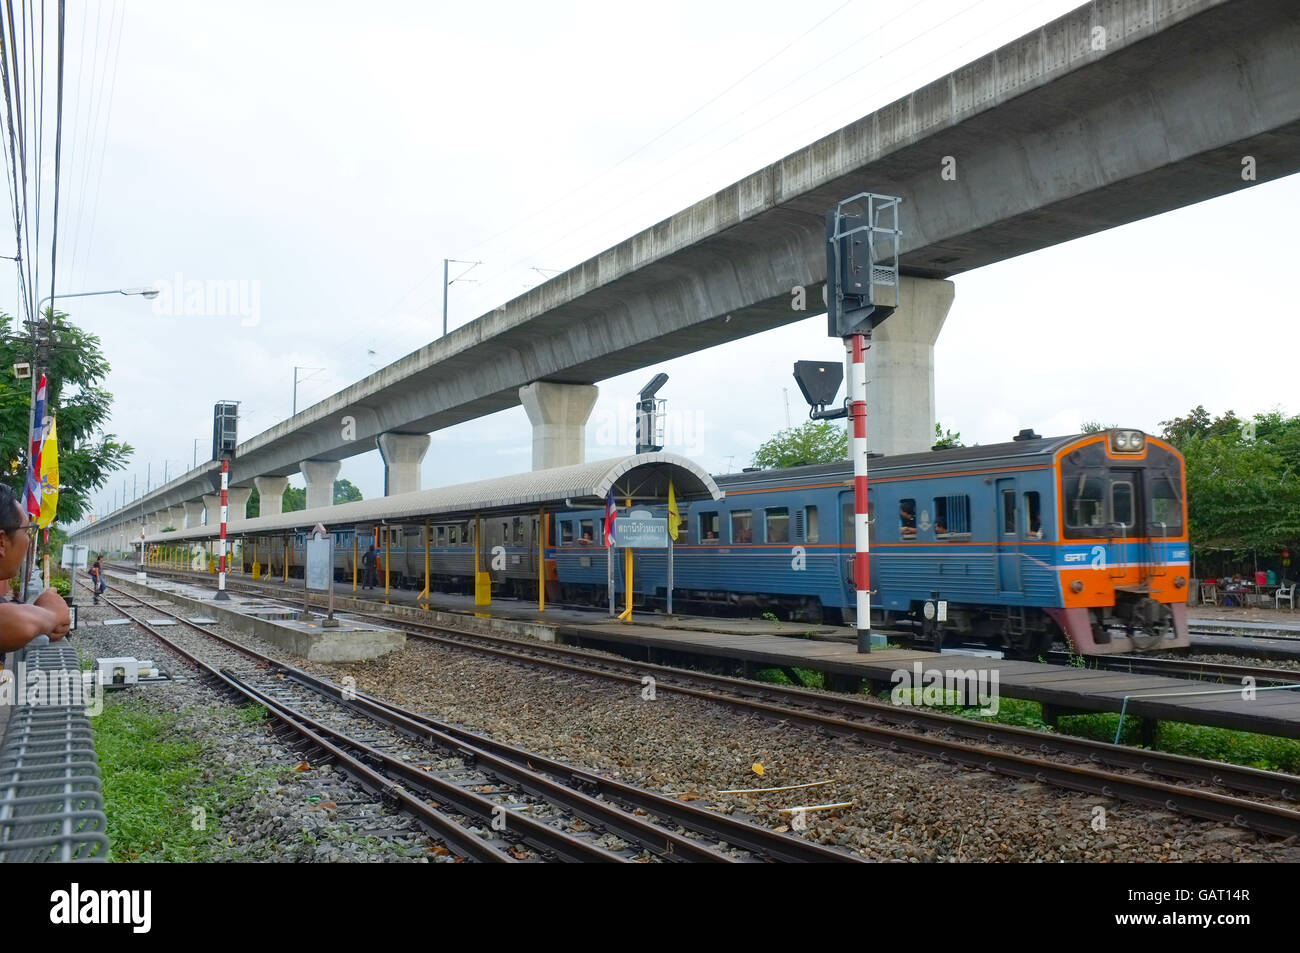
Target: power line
(520, 222)
(58, 147)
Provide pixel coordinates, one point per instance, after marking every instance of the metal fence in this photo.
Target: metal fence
(51, 807)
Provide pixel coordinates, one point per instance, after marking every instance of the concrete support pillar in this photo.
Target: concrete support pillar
(237, 503)
(558, 413)
(320, 476)
(900, 369)
(193, 514)
(270, 490)
(212, 507)
(176, 517)
(403, 453)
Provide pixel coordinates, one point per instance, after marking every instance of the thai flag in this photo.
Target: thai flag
(611, 513)
(33, 491)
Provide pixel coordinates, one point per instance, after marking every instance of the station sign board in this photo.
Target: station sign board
(74, 556)
(319, 571)
(640, 532)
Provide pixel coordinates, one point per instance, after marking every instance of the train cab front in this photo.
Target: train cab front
(1123, 558)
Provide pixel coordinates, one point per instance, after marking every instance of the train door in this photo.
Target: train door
(1127, 507)
(1007, 535)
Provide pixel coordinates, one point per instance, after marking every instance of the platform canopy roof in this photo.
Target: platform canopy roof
(643, 478)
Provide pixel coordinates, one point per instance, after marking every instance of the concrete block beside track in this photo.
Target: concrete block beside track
(350, 642)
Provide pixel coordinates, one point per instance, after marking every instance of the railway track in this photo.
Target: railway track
(487, 800)
(1132, 774)
(1184, 668)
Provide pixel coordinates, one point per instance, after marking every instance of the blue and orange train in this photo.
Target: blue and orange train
(1081, 539)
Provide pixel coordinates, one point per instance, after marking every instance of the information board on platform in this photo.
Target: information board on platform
(638, 532)
(320, 558)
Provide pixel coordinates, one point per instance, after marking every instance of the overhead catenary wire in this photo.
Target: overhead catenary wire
(588, 183)
(496, 276)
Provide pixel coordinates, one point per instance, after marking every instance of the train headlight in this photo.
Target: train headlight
(1127, 441)
(1179, 582)
(1076, 586)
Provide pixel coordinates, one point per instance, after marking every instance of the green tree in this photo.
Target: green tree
(1095, 426)
(295, 499)
(946, 439)
(1243, 481)
(345, 492)
(78, 403)
(817, 441)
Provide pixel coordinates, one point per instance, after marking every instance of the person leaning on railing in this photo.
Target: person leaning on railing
(48, 614)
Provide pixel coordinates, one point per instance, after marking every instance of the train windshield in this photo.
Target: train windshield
(1103, 499)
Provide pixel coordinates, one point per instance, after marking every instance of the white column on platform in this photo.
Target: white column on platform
(900, 368)
(403, 453)
(558, 413)
(320, 476)
(270, 492)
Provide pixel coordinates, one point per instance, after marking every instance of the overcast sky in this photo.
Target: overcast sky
(327, 156)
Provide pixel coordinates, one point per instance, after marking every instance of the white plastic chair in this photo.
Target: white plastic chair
(1288, 594)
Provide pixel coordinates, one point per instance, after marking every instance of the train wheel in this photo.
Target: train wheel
(1027, 645)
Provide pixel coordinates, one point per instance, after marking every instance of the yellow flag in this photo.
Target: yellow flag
(674, 517)
(49, 476)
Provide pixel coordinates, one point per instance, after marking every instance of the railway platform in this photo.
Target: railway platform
(310, 638)
(752, 644)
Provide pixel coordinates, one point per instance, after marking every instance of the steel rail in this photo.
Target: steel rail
(456, 837)
(750, 836)
(1269, 818)
(519, 767)
(1183, 668)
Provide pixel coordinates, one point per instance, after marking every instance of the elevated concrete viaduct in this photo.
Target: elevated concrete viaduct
(1119, 110)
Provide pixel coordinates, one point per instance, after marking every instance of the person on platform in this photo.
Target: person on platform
(370, 563)
(21, 622)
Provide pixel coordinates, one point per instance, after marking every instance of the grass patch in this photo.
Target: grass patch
(1266, 752)
(808, 678)
(163, 799)
(251, 714)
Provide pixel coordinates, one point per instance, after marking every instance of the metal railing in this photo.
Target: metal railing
(51, 806)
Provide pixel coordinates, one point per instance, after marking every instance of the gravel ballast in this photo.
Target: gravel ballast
(314, 814)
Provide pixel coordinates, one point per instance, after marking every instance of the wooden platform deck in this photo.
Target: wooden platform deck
(1067, 690)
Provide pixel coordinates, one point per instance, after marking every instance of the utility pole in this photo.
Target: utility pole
(195, 465)
(296, 369)
(446, 263)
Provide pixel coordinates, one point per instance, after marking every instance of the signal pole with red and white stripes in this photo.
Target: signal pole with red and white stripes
(855, 347)
(221, 546)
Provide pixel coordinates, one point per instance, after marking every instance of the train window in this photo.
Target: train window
(453, 535)
(777, 520)
(742, 526)
(1034, 515)
(442, 536)
(566, 531)
(1008, 512)
(519, 529)
(588, 533)
(1121, 502)
(907, 519)
(812, 531)
(951, 516)
(710, 527)
(1166, 502)
(1086, 499)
